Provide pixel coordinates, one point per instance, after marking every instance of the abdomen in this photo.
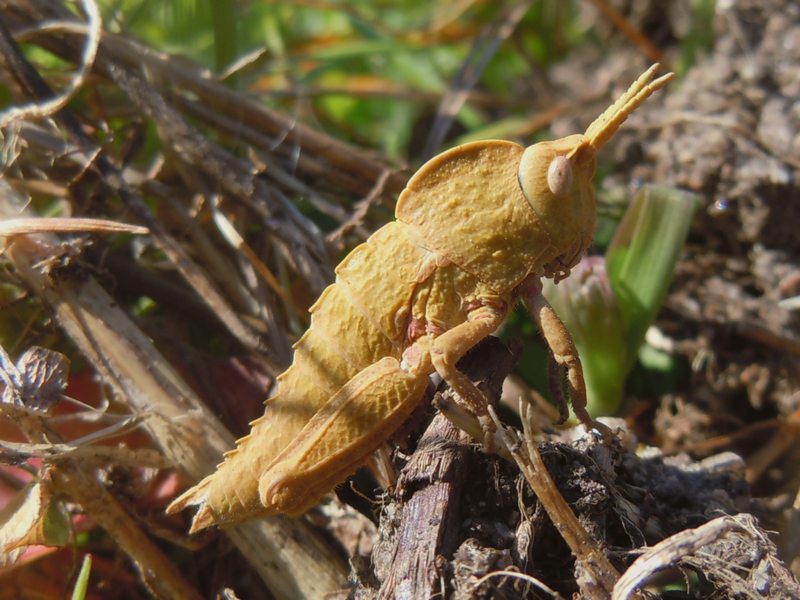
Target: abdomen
(356, 321)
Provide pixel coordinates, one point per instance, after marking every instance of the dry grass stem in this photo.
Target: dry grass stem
(12, 227)
(471, 70)
(74, 477)
(601, 574)
(527, 578)
(291, 558)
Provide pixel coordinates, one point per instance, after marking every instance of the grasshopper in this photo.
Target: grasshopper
(477, 228)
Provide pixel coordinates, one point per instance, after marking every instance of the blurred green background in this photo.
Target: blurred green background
(372, 72)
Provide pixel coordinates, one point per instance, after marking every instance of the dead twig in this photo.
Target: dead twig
(784, 438)
(71, 477)
(159, 573)
(526, 578)
(319, 155)
(300, 236)
(30, 80)
(356, 219)
(632, 33)
(430, 490)
(429, 495)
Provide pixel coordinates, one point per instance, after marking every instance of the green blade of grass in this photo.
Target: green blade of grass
(82, 583)
(642, 256)
(223, 24)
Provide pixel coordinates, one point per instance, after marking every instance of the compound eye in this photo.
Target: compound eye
(559, 176)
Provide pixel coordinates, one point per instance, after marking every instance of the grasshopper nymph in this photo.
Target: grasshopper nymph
(477, 228)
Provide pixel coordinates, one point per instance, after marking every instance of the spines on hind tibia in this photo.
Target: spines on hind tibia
(353, 326)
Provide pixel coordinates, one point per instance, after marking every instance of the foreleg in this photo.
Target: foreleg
(564, 354)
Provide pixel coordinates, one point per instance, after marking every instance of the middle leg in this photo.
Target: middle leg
(448, 348)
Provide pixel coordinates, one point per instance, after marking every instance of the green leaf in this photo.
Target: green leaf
(642, 256)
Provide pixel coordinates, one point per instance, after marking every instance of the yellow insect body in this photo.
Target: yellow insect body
(477, 227)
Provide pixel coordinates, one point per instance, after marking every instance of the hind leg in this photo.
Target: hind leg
(341, 436)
